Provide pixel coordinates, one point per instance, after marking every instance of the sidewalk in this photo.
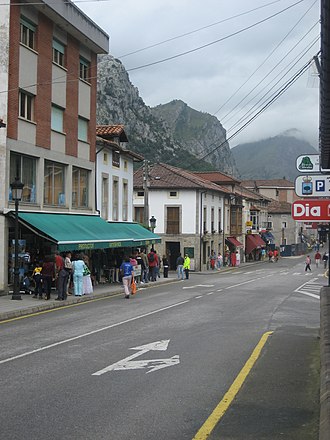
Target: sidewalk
(28, 305)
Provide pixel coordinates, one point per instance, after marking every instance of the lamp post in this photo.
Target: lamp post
(152, 222)
(16, 190)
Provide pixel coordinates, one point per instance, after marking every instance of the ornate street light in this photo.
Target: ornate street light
(152, 222)
(16, 191)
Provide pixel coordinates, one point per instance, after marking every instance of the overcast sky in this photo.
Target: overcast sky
(215, 79)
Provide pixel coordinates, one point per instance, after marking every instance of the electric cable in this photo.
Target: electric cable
(215, 41)
(264, 61)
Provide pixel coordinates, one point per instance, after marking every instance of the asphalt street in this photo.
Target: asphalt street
(157, 366)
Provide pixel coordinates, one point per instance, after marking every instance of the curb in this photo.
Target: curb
(324, 432)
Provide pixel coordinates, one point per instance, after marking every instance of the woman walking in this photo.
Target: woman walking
(78, 270)
(48, 275)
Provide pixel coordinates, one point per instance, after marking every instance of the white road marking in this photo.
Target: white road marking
(211, 293)
(198, 285)
(65, 341)
(309, 294)
(241, 284)
(152, 364)
(200, 296)
(219, 290)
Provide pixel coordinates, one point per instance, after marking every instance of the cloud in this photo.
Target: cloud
(207, 78)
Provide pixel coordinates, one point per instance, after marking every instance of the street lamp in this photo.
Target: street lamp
(152, 222)
(16, 191)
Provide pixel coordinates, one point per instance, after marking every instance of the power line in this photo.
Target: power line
(54, 2)
(276, 96)
(197, 30)
(264, 61)
(215, 41)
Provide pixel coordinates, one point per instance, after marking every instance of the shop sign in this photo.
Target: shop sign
(311, 210)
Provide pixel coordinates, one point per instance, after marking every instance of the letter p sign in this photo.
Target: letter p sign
(320, 185)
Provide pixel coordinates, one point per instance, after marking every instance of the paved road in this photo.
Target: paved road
(158, 365)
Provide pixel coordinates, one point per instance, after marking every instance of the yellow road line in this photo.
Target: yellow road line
(56, 309)
(222, 407)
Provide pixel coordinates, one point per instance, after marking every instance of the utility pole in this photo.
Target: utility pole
(146, 192)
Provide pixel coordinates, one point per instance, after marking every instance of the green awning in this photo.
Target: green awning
(81, 232)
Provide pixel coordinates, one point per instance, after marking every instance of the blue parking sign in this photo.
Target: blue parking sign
(320, 185)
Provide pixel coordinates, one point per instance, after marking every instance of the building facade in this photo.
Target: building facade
(48, 76)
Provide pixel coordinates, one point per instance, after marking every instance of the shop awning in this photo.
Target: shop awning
(82, 232)
(268, 236)
(253, 242)
(234, 241)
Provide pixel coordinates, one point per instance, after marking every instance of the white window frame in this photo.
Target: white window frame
(84, 68)
(57, 118)
(27, 33)
(58, 53)
(26, 106)
(82, 129)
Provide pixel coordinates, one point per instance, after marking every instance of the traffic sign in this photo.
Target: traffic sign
(309, 163)
(315, 185)
(311, 210)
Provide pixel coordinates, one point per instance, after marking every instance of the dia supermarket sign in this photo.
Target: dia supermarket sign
(311, 210)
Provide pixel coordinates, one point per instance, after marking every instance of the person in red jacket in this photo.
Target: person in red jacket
(153, 262)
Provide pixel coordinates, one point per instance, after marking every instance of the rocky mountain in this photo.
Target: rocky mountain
(172, 133)
(272, 158)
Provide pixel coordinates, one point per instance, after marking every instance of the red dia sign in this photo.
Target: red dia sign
(311, 210)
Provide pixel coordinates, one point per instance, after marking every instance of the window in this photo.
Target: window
(105, 198)
(212, 221)
(219, 221)
(28, 33)
(57, 118)
(80, 186)
(140, 194)
(284, 225)
(204, 220)
(25, 168)
(139, 214)
(116, 159)
(254, 217)
(58, 53)
(269, 225)
(125, 164)
(54, 183)
(82, 129)
(26, 106)
(173, 194)
(115, 199)
(125, 200)
(84, 67)
(173, 220)
(105, 158)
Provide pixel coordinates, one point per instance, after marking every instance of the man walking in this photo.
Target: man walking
(186, 266)
(179, 266)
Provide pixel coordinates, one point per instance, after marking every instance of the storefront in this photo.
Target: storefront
(253, 247)
(43, 234)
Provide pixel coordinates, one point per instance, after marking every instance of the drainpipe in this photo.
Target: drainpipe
(201, 230)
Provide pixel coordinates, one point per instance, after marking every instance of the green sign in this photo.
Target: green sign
(190, 251)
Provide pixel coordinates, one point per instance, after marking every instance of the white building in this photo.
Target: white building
(189, 212)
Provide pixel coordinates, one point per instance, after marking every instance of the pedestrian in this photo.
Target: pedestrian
(145, 267)
(325, 259)
(179, 266)
(275, 255)
(186, 266)
(238, 259)
(213, 259)
(78, 267)
(68, 268)
(165, 266)
(308, 263)
(140, 268)
(87, 280)
(219, 261)
(37, 278)
(48, 276)
(126, 270)
(270, 256)
(317, 258)
(233, 259)
(153, 262)
(62, 284)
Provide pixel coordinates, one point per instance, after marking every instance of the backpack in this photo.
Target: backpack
(151, 257)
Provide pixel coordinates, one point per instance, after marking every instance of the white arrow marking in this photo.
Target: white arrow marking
(151, 364)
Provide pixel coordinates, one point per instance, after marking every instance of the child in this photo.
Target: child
(36, 275)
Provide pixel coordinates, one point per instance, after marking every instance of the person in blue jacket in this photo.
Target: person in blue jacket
(126, 269)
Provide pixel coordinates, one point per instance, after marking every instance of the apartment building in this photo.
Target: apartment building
(48, 79)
